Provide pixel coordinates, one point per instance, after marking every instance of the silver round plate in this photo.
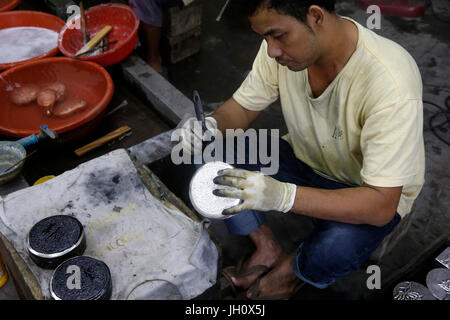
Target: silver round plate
(201, 192)
(410, 290)
(438, 281)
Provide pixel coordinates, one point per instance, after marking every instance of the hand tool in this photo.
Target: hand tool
(223, 10)
(86, 37)
(99, 142)
(17, 163)
(94, 41)
(200, 114)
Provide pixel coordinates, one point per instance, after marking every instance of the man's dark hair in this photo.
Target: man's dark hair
(296, 8)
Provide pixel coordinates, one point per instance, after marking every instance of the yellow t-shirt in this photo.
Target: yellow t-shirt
(367, 126)
(187, 2)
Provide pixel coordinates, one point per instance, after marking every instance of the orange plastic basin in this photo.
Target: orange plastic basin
(86, 80)
(125, 30)
(6, 5)
(13, 19)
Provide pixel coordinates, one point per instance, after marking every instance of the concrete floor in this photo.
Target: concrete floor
(216, 72)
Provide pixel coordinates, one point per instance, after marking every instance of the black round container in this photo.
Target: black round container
(94, 280)
(54, 240)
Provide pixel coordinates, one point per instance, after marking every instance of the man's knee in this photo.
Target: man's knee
(335, 252)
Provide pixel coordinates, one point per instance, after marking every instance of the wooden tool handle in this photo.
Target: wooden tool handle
(99, 142)
(94, 41)
(83, 24)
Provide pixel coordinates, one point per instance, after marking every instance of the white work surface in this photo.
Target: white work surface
(153, 252)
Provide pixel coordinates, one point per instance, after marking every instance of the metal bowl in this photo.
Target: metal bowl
(201, 192)
(10, 153)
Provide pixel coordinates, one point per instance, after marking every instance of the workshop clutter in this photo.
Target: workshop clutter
(182, 31)
(79, 93)
(437, 281)
(58, 242)
(27, 36)
(153, 250)
(107, 35)
(110, 35)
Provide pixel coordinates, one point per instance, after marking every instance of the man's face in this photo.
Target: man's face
(289, 41)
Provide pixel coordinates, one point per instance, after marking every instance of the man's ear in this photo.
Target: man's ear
(315, 15)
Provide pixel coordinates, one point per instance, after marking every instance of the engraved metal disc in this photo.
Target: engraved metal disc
(438, 281)
(410, 290)
(444, 258)
(201, 192)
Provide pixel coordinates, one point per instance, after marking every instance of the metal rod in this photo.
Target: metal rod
(223, 10)
(18, 162)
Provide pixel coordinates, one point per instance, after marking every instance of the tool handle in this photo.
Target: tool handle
(199, 110)
(99, 142)
(28, 141)
(94, 41)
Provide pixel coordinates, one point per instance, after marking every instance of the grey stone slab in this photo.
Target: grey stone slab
(153, 149)
(165, 98)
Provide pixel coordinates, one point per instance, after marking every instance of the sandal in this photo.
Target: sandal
(227, 283)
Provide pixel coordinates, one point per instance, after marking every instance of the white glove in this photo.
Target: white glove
(256, 190)
(191, 134)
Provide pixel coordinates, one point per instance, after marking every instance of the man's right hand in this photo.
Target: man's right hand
(192, 135)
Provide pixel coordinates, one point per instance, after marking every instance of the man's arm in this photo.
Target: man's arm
(361, 205)
(231, 115)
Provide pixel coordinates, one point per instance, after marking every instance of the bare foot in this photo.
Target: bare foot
(280, 281)
(267, 253)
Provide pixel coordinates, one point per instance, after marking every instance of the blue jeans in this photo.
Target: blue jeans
(333, 249)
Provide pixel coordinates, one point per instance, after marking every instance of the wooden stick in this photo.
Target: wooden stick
(83, 24)
(99, 142)
(94, 41)
(96, 48)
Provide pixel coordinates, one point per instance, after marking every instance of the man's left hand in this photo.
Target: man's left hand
(256, 190)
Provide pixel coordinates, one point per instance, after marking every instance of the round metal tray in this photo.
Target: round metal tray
(201, 192)
(438, 281)
(410, 290)
(54, 240)
(93, 282)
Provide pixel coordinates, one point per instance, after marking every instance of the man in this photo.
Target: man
(353, 160)
(150, 13)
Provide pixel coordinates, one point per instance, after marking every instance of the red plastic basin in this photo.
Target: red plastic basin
(6, 5)
(30, 19)
(125, 27)
(86, 80)
(401, 8)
